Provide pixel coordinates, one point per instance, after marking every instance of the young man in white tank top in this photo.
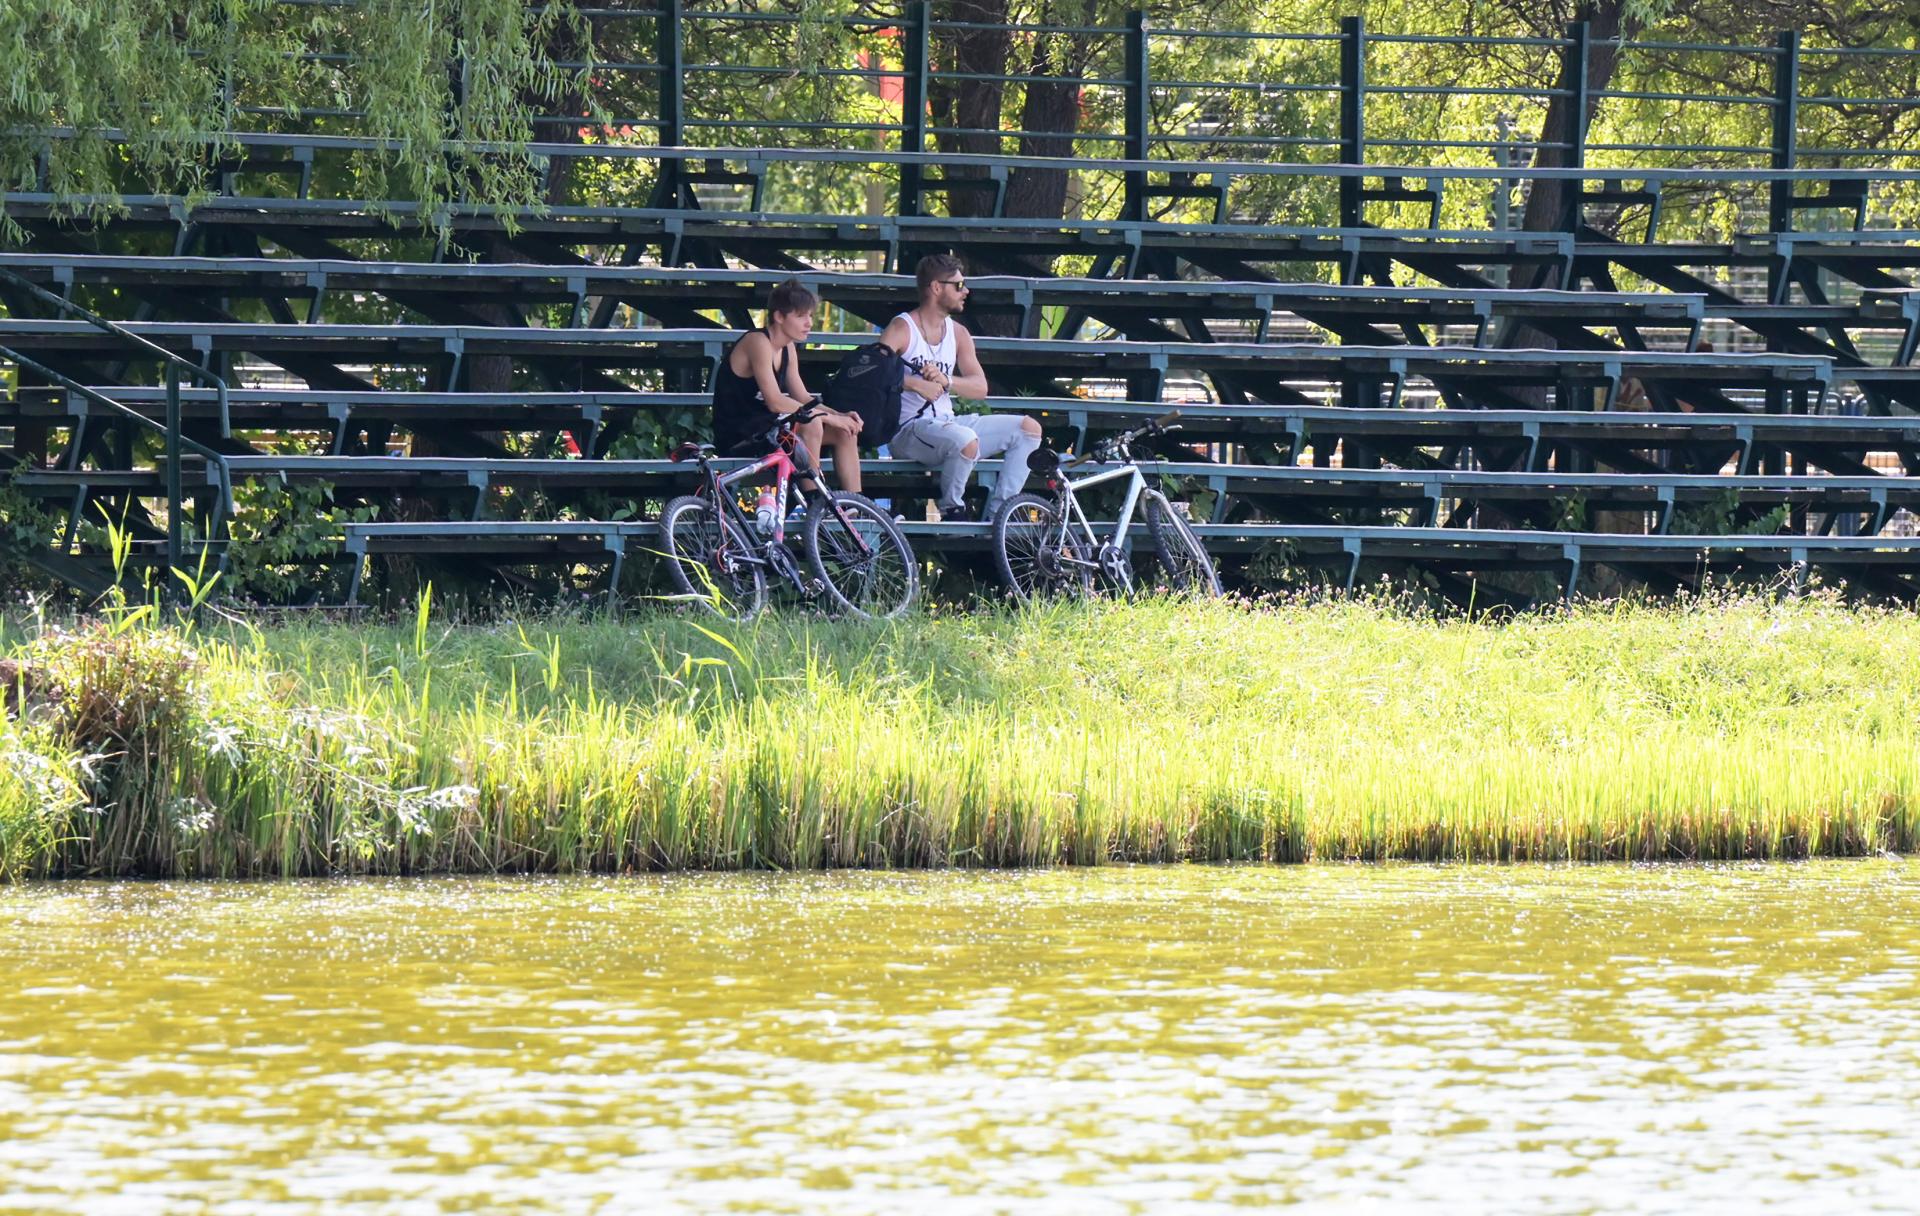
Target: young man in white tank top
(942, 357)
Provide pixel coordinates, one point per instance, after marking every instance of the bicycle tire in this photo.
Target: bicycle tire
(1183, 560)
(875, 582)
(690, 532)
(1029, 540)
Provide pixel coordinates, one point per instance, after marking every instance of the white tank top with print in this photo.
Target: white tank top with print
(940, 354)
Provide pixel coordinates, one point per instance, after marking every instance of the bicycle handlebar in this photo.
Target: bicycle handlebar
(1122, 443)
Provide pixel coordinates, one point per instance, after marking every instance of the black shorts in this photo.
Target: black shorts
(753, 445)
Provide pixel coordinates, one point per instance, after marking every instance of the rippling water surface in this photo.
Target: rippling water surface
(1129, 1040)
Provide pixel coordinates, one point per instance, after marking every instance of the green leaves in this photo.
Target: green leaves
(95, 87)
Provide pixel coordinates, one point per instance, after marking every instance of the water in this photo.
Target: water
(1134, 1040)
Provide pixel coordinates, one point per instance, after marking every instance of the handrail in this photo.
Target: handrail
(113, 327)
(175, 438)
(683, 57)
(1082, 164)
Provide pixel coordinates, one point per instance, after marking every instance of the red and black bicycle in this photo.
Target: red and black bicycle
(857, 559)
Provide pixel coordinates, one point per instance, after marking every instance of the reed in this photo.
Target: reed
(1148, 731)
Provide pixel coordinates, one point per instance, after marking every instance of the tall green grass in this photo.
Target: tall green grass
(1152, 731)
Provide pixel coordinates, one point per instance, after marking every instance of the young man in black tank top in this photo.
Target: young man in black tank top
(758, 383)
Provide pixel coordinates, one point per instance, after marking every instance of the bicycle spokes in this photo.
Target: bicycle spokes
(1038, 552)
(861, 558)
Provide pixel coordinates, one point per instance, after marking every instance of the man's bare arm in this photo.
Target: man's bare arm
(899, 337)
(969, 378)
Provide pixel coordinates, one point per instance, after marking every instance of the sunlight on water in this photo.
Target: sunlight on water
(1148, 1040)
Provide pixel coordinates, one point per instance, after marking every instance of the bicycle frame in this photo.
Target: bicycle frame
(1075, 516)
(784, 471)
(760, 549)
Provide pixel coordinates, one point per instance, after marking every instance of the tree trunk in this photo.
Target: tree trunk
(1052, 106)
(1546, 200)
(563, 46)
(971, 104)
(1048, 106)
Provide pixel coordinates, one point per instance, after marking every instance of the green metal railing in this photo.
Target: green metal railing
(1185, 95)
(1320, 105)
(176, 442)
(1340, 77)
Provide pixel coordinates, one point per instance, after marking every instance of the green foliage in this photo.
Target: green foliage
(478, 72)
(1150, 731)
(121, 702)
(286, 539)
(38, 792)
(1715, 517)
(506, 75)
(98, 69)
(103, 96)
(1572, 514)
(27, 527)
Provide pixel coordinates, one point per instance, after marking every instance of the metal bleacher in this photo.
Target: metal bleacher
(1454, 404)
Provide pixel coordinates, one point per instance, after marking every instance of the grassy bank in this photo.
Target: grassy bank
(1154, 731)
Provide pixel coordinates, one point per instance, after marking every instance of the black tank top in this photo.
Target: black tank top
(740, 413)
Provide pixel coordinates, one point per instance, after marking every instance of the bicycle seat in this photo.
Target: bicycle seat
(690, 450)
(1043, 461)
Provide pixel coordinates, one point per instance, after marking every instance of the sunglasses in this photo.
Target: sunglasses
(956, 284)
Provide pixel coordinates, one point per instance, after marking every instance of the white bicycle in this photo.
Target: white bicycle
(1045, 546)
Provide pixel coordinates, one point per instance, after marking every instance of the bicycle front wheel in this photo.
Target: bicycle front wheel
(1184, 564)
(1036, 553)
(862, 559)
(703, 560)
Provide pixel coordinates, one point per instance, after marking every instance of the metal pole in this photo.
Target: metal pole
(173, 477)
(1574, 136)
(1786, 121)
(1139, 111)
(1786, 129)
(1353, 113)
(1502, 187)
(668, 52)
(913, 101)
(1581, 35)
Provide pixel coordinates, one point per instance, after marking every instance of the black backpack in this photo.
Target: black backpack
(868, 383)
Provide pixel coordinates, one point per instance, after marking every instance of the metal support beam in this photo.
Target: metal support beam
(1139, 112)
(1786, 128)
(1353, 109)
(1574, 133)
(913, 101)
(1579, 33)
(668, 45)
(175, 560)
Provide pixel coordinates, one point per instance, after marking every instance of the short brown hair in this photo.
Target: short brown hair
(790, 297)
(933, 267)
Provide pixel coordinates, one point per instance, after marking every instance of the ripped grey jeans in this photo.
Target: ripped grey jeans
(939, 442)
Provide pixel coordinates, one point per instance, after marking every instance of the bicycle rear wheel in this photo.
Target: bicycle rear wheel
(863, 560)
(703, 551)
(1035, 551)
(1184, 564)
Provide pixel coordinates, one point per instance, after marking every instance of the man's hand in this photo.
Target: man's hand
(936, 379)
